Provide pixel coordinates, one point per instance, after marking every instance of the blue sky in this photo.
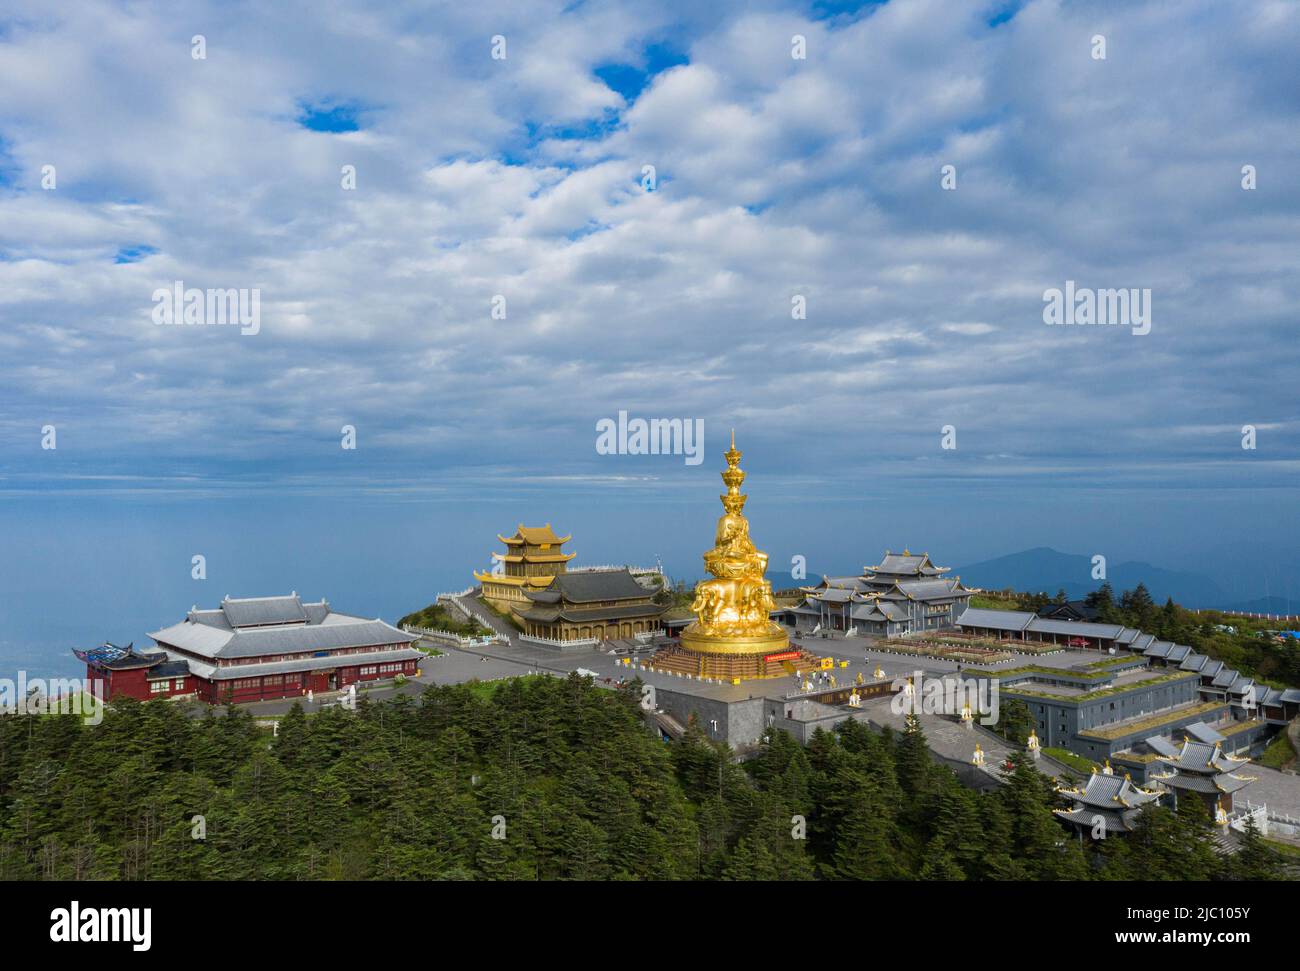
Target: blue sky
(522, 177)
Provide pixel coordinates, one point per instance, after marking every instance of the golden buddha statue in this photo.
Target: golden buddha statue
(733, 609)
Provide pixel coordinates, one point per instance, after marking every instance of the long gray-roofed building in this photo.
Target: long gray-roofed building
(257, 648)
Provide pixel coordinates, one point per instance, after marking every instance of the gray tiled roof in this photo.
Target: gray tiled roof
(1211, 669)
(169, 669)
(1158, 649)
(1210, 784)
(881, 610)
(1178, 653)
(1075, 628)
(930, 589)
(1161, 745)
(1016, 620)
(595, 585)
(912, 564)
(1291, 696)
(335, 632)
(1203, 733)
(833, 595)
(1111, 821)
(213, 673)
(1225, 678)
(257, 611)
(1201, 758)
(1194, 662)
(1271, 696)
(1110, 791)
(849, 583)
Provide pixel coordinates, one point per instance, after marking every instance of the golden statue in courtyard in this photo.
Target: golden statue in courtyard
(733, 609)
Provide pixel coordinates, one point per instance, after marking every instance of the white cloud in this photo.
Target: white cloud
(777, 177)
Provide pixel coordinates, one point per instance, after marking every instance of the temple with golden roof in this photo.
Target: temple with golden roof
(534, 557)
(733, 635)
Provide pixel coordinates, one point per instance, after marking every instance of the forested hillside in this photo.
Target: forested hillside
(409, 788)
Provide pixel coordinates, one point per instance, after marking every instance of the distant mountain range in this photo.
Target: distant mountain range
(1050, 570)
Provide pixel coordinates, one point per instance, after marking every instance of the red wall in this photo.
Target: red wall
(295, 685)
(134, 684)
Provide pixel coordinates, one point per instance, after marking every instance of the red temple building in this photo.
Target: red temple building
(255, 649)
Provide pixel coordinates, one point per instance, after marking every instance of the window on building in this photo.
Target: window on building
(180, 684)
(160, 687)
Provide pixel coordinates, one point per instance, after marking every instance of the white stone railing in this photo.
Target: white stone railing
(1261, 816)
(1243, 613)
(452, 600)
(616, 566)
(451, 637)
(548, 642)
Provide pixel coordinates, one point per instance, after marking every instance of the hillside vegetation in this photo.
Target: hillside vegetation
(566, 772)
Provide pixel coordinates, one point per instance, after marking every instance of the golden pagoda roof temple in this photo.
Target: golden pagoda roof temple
(733, 635)
(534, 556)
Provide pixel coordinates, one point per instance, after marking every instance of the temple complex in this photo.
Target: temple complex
(733, 635)
(534, 556)
(903, 594)
(596, 604)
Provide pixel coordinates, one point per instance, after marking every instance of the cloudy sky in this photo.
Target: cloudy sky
(774, 177)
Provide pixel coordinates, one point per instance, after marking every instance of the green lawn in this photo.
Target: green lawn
(1279, 754)
(1076, 762)
(993, 603)
(1286, 849)
(438, 617)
